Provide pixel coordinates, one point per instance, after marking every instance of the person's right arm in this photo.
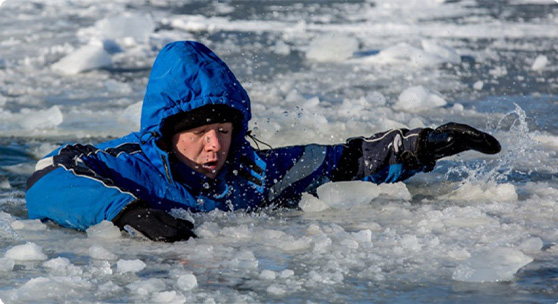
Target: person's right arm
(79, 186)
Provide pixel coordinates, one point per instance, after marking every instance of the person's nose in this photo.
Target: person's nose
(212, 141)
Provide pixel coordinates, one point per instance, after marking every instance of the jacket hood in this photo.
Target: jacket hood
(187, 75)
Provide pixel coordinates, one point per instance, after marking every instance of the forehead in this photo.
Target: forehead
(220, 125)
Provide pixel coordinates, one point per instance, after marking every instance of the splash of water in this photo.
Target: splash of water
(518, 145)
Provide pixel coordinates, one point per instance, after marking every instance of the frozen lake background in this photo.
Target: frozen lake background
(476, 229)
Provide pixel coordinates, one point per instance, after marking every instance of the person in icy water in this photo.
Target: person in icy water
(191, 152)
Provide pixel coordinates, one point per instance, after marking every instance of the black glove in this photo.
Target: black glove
(453, 138)
(418, 149)
(155, 224)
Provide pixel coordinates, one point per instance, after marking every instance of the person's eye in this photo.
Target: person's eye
(224, 131)
(198, 132)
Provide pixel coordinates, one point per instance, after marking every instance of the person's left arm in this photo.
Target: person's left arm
(385, 157)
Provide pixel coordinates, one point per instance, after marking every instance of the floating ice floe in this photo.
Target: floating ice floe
(187, 281)
(104, 230)
(332, 47)
(62, 267)
(496, 265)
(6, 264)
(484, 192)
(126, 26)
(100, 253)
(32, 225)
(540, 63)
(430, 54)
(124, 266)
(5, 183)
(419, 98)
(40, 119)
(86, 58)
(27, 252)
(144, 288)
(346, 195)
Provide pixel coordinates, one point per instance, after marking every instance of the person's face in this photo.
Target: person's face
(204, 148)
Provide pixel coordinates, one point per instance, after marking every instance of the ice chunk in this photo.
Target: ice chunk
(419, 98)
(499, 264)
(292, 244)
(410, 243)
(396, 191)
(532, 244)
(118, 87)
(100, 253)
(4, 182)
(276, 290)
(144, 288)
(431, 54)
(267, 274)
(107, 289)
(124, 266)
(34, 225)
(100, 269)
(344, 195)
(27, 252)
(310, 203)
(478, 85)
(6, 264)
(349, 244)
(444, 53)
(287, 273)
(187, 282)
(363, 236)
(62, 267)
(484, 192)
(40, 119)
(546, 140)
(39, 288)
(237, 232)
(104, 230)
(244, 259)
(332, 47)
(127, 26)
(281, 48)
(540, 63)
(168, 297)
(86, 58)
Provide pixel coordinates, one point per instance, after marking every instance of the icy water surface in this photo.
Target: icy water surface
(476, 229)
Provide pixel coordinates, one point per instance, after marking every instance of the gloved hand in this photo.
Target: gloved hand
(416, 150)
(155, 224)
(453, 138)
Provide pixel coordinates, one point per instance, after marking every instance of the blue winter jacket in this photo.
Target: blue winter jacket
(78, 186)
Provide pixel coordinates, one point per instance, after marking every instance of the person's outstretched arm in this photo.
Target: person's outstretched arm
(385, 157)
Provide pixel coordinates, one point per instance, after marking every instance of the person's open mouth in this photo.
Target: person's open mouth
(210, 166)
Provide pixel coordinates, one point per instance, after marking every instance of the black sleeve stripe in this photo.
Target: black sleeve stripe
(69, 157)
(251, 164)
(128, 148)
(38, 175)
(249, 177)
